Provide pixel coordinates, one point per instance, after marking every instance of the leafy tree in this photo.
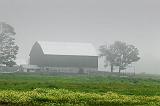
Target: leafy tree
(120, 54)
(8, 48)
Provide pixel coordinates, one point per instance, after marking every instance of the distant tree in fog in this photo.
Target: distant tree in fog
(110, 56)
(8, 48)
(119, 54)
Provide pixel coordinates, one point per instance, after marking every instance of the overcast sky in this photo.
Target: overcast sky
(97, 21)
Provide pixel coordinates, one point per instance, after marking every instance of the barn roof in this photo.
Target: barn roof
(67, 48)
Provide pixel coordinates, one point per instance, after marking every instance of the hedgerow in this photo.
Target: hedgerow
(62, 97)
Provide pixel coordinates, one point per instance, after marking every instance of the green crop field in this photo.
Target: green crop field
(32, 89)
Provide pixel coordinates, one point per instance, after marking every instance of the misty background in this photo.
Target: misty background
(99, 22)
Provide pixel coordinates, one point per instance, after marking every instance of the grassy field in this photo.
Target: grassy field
(84, 90)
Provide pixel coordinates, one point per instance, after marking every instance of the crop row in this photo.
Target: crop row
(50, 97)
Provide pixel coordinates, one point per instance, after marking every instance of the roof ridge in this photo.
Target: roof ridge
(63, 48)
(65, 42)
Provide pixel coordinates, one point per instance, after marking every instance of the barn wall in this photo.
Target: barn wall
(35, 54)
(65, 61)
(68, 69)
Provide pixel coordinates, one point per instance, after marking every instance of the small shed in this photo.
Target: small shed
(28, 68)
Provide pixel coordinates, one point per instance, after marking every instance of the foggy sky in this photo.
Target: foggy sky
(96, 21)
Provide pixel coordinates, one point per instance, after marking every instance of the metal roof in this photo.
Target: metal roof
(67, 48)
